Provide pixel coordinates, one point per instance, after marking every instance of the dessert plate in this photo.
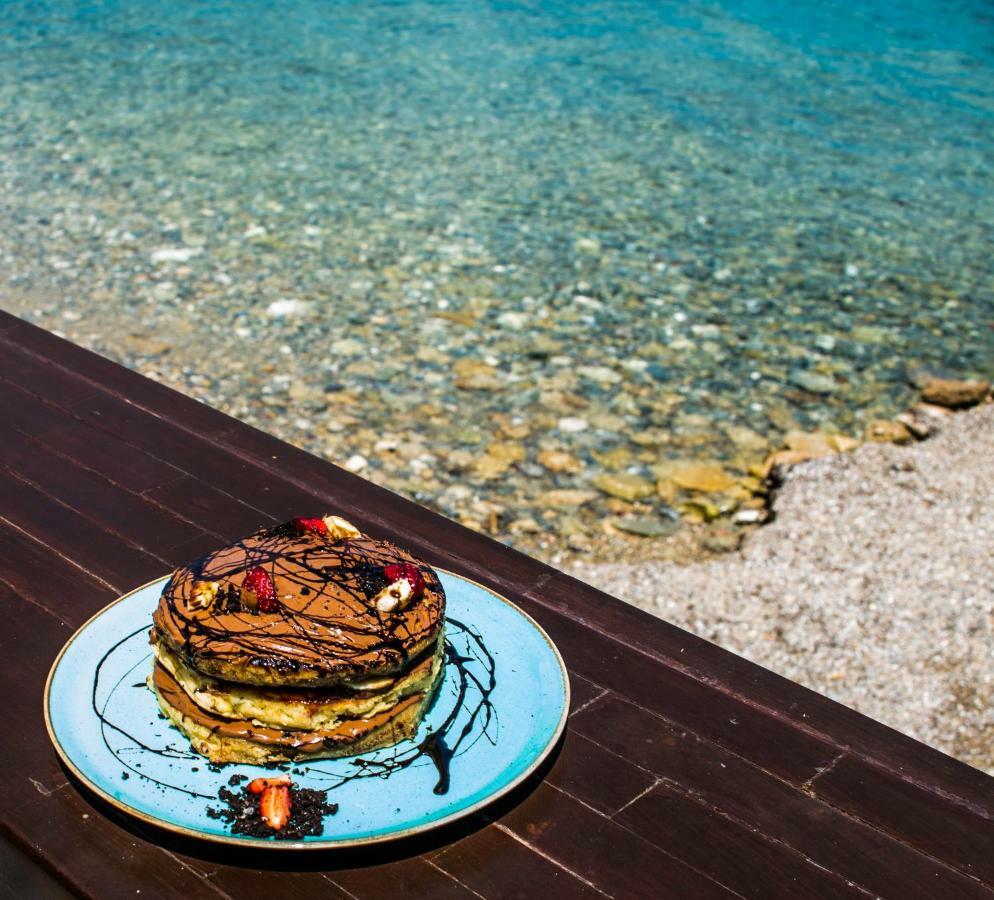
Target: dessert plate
(500, 710)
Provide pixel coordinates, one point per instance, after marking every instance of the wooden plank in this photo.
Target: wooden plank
(601, 852)
(30, 636)
(85, 848)
(406, 878)
(44, 376)
(582, 692)
(108, 556)
(199, 544)
(211, 509)
(146, 524)
(48, 580)
(22, 411)
(494, 864)
(778, 810)
(59, 430)
(729, 852)
(600, 779)
(203, 459)
(961, 837)
(21, 877)
(246, 876)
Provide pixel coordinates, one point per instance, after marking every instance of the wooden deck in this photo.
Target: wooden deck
(685, 771)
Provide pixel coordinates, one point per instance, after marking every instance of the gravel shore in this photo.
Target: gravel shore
(874, 585)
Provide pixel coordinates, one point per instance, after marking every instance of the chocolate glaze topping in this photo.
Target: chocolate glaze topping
(326, 628)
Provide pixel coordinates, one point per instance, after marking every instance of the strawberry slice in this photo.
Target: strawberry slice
(274, 805)
(407, 572)
(258, 785)
(258, 591)
(309, 526)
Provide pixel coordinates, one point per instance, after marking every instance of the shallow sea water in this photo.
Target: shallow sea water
(437, 239)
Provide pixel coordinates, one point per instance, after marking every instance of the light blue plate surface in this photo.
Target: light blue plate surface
(501, 707)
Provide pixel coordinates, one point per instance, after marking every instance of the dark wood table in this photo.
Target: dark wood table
(685, 771)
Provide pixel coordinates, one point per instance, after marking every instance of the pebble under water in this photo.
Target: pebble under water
(514, 260)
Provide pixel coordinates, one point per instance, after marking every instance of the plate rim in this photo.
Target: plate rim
(233, 840)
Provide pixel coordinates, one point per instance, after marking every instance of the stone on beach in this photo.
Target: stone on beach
(885, 431)
(955, 394)
(624, 486)
(702, 477)
(564, 498)
(288, 307)
(572, 425)
(559, 461)
(813, 382)
(175, 254)
(644, 526)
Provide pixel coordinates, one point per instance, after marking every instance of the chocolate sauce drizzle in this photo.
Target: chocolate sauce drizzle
(441, 745)
(351, 629)
(468, 686)
(108, 726)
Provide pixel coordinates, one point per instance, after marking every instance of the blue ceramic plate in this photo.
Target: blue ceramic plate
(500, 709)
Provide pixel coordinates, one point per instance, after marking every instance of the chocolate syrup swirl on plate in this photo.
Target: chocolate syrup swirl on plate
(464, 700)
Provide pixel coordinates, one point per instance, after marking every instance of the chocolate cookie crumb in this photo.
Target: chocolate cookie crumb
(241, 810)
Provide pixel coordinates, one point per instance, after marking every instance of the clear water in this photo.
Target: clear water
(738, 192)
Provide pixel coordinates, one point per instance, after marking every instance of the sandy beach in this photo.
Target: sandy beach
(874, 585)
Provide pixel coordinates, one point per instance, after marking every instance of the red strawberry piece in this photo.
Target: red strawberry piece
(274, 805)
(260, 784)
(258, 591)
(409, 573)
(309, 526)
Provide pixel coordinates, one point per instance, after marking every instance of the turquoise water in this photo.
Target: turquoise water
(758, 213)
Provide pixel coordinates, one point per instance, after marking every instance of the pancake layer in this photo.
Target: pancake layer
(326, 628)
(224, 740)
(307, 709)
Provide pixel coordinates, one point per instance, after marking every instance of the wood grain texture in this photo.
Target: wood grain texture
(603, 853)
(597, 777)
(493, 863)
(960, 836)
(21, 877)
(112, 507)
(110, 557)
(729, 852)
(734, 788)
(411, 877)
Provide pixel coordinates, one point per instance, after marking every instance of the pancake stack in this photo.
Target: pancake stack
(307, 640)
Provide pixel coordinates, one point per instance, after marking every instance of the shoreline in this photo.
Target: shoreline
(873, 584)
